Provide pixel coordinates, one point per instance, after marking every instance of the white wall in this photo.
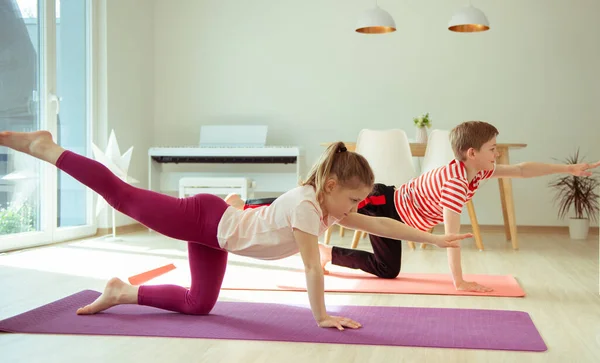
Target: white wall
(127, 91)
(299, 67)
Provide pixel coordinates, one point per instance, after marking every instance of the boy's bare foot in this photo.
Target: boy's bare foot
(116, 292)
(38, 144)
(235, 201)
(325, 252)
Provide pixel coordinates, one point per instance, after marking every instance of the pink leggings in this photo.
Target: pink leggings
(194, 219)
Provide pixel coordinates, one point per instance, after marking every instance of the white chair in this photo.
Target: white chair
(390, 157)
(388, 152)
(439, 153)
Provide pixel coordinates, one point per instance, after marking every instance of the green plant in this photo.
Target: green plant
(17, 220)
(577, 192)
(422, 121)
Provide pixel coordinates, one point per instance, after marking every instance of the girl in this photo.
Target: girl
(335, 186)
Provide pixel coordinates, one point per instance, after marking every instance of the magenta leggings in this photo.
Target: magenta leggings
(194, 219)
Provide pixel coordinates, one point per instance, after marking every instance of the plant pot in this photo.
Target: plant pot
(421, 136)
(579, 228)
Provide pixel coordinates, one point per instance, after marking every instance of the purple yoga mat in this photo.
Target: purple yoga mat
(399, 326)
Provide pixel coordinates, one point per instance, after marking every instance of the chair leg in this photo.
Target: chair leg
(341, 231)
(328, 235)
(475, 225)
(356, 238)
(364, 235)
(411, 245)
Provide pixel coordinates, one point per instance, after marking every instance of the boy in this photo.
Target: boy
(439, 196)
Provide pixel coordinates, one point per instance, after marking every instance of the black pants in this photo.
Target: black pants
(387, 253)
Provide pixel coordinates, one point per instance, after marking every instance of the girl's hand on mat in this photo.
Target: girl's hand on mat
(450, 240)
(472, 286)
(338, 322)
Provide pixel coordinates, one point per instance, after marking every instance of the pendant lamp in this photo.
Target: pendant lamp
(375, 21)
(468, 19)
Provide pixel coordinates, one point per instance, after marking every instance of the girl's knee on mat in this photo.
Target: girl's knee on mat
(199, 307)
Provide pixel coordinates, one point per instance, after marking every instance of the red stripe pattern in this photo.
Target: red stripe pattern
(421, 201)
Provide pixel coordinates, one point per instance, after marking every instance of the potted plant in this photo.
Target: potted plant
(421, 123)
(578, 193)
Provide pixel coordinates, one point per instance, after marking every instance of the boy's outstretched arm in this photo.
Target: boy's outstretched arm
(534, 169)
(452, 226)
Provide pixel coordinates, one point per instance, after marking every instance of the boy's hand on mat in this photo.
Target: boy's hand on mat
(450, 240)
(338, 322)
(472, 286)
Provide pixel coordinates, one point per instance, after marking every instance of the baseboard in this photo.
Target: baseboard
(128, 228)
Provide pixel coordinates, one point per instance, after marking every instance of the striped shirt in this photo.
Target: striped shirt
(421, 202)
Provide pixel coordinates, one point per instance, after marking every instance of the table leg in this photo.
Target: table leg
(506, 185)
(504, 211)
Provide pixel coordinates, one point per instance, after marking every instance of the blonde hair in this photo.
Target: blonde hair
(471, 134)
(350, 169)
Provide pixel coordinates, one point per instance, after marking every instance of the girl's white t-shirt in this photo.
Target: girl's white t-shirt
(267, 232)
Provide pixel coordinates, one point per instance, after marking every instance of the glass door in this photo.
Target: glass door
(22, 198)
(73, 89)
(44, 84)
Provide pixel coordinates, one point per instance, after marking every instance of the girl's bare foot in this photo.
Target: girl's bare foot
(325, 252)
(38, 144)
(235, 201)
(116, 292)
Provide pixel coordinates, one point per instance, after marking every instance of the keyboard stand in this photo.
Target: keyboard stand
(270, 183)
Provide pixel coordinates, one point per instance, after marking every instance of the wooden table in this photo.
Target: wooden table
(505, 185)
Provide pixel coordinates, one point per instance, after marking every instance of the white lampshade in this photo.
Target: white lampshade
(468, 19)
(375, 21)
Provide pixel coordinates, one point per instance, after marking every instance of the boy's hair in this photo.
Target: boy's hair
(471, 134)
(351, 170)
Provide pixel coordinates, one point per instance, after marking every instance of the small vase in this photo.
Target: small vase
(421, 135)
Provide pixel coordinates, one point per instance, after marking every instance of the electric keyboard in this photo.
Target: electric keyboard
(226, 154)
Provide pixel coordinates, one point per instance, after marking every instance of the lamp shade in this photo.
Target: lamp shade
(375, 21)
(468, 19)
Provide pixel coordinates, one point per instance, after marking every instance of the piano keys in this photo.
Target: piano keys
(271, 183)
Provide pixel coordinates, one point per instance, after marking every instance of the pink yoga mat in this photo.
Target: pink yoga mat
(257, 278)
(382, 325)
(405, 283)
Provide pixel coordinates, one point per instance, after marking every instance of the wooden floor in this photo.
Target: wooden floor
(560, 277)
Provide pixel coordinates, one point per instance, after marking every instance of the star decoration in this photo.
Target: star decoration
(113, 160)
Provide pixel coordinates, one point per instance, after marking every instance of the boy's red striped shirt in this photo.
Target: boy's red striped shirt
(421, 201)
